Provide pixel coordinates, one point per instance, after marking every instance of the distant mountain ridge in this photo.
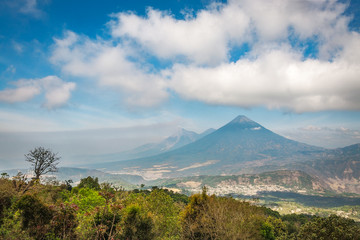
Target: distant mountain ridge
(241, 146)
(181, 138)
(339, 168)
(177, 140)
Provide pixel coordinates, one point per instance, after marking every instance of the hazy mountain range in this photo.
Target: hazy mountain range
(245, 147)
(240, 147)
(181, 138)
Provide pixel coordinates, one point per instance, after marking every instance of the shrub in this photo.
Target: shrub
(35, 215)
(89, 182)
(211, 217)
(330, 228)
(137, 225)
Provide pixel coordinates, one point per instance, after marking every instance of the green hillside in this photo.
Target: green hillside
(31, 210)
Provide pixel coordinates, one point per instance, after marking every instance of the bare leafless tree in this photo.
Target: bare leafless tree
(42, 161)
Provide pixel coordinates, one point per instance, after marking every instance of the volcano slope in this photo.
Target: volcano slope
(241, 146)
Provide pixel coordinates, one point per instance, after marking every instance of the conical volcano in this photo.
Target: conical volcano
(239, 146)
(243, 121)
(243, 140)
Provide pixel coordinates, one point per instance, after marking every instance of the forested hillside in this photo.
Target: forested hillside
(33, 210)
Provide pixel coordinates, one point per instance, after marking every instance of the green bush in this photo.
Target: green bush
(89, 182)
(330, 228)
(137, 225)
(211, 217)
(35, 215)
(87, 199)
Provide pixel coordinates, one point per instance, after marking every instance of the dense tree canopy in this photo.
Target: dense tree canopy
(98, 211)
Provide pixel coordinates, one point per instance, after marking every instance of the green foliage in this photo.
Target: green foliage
(177, 197)
(162, 209)
(89, 182)
(64, 220)
(107, 222)
(274, 228)
(269, 212)
(294, 221)
(53, 212)
(107, 187)
(49, 194)
(210, 217)
(331, 228)
(267, 231)
(34, 214)
(136, 224)
(7, 193)
(11, 228)
(164, 213)
(192, 214)
(87, 199)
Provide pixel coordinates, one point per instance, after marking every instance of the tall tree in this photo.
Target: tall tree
(42, 161)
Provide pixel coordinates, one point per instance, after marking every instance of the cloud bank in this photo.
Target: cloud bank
(292, 55)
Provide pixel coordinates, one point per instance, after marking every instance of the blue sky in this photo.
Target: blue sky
(97, 77)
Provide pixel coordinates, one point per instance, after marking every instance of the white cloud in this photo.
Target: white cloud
(208, 37)
(203, 39)
(274, 72)
(57, 92)
(109, 65)
(271, 19)
(277, 79)
(20, 94)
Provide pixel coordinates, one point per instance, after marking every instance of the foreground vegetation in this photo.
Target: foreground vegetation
(33, 210)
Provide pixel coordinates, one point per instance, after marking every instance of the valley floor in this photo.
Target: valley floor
(286, 200)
